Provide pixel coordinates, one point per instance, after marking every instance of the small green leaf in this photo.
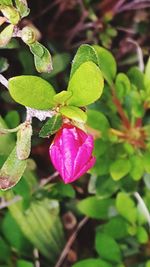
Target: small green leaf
(92, 263)
(122, 85)
(51, 126)
(86, 85)
(137, 168)
(98, 121)
(107, 63)
(12, 119)
(142, 235)
(60, 63)
(12, 171)
(24, 141)
(120, 168)
(11, 13)
(74, 113)
(31, 91)
(22, 7)
(84, 53)
(116, 228)
(104, 244)
(6, 35)
(95, 207)
(136, 77)
(62, 97)
(126, 207)
(42, 57)
(146, 161)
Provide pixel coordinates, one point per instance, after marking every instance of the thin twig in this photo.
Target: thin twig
(39, 114)
(49, 179)
(70, 242)
(3, 81)
(5, 204)
(36, 256)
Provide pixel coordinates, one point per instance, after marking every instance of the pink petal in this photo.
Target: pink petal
(88, 166)
(84, 154)
(56, 159)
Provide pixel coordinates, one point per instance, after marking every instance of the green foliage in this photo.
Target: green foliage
(87, 80)
(74, 113)
(105, 243)
(126, 207)
(12, 171)
(92, 263)
(51, 126)
(96, 207)
(32, 91)
(6, 35)
(120, 168)
(107, 63)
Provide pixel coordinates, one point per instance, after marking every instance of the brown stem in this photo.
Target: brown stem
(120, 110)
(70, 242)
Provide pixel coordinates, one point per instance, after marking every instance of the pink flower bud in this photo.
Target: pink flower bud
(71, 152)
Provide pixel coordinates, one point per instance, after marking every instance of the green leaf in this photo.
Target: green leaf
(104, 244)
(13, 234)
(23, 263)
(11, 13)
(41, 225)
(5, 251)
(60, 63)
(22, 7)
(98, 121)
(62, 97)
(142, 235)
(137, 168)
(92, 263)
(122, 85)
(12, 171)
(6, 35)
(12, 119)
(146, 161)
(74, 113)
(107, 63)
(84, 53)
(95, 207)
(31, 91)
(116, 228)
(120, 168)
(42, 57)
(136, 77)
(126, 207)
(86, 85)
(51, 126)
(24, 141)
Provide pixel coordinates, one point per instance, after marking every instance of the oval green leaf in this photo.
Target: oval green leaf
(86, 85)
(107, 63)
(74, 113)
(12, 171)
(32, 91)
